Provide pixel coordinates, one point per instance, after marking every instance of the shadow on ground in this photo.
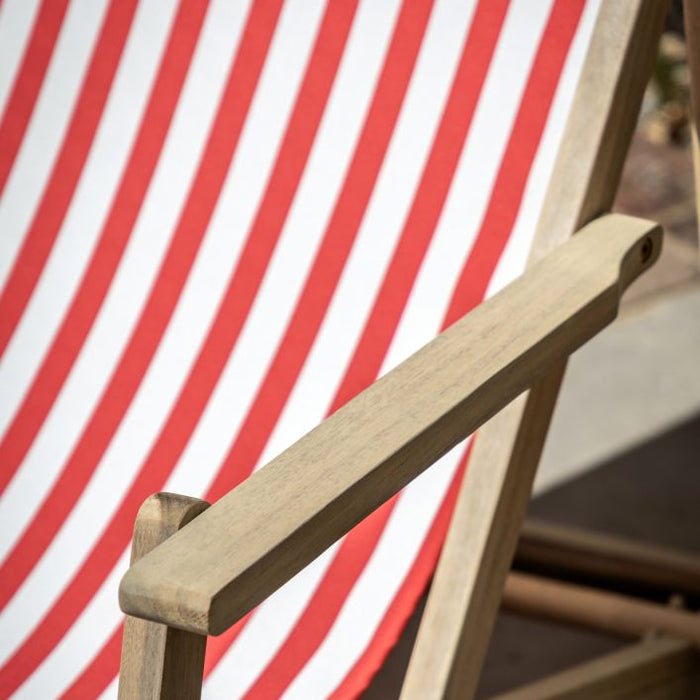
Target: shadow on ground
(650, 493)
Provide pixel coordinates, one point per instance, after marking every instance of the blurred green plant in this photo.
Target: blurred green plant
(667, 116)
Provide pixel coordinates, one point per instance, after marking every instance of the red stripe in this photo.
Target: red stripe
(522, 147)
(506, 197)
(67, 168)
(291, 160)
(292, 157)
(103, 668)
(28, 81)
(405, 599)
(86, 305)
(218, 646)
(374, 343)
(93, 681)
(550, 51)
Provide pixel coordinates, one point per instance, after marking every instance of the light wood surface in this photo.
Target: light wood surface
(615, 559)
(466, 589)
(658, 669)
(691, 11)
(596, 609)
(158, 661)
(255, 538)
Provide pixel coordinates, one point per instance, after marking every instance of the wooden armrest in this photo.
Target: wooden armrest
(230, 558)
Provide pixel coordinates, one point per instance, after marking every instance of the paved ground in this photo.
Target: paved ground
(641, 376)
(651, 493)
(623, 454)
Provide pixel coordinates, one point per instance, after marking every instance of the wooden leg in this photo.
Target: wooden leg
(159, 661)
(659, 669)
(691, 9)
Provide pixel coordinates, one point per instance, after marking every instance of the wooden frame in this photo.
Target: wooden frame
(466, 592)
(159, 661)
(456, 625)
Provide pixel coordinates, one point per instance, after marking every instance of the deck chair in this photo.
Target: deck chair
(224, 223)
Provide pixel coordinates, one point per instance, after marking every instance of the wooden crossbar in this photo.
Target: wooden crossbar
(658, 669)
(598, 610)
(565, 549)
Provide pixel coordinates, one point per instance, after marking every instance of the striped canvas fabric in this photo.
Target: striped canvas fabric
(220, 221)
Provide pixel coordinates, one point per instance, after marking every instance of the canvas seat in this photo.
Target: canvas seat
(223, 221)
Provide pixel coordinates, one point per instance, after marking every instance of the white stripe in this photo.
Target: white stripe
(269, 626)
(17, 19)
(103, 346)
(47, 125)
(89, 206)
(375, 576)
(86, 637)
(412, 517)
(474, 178)
(110, 692)
(385, 565)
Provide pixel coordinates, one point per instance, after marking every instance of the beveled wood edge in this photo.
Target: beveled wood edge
(662, 668)
(159, 661)
(456, 626)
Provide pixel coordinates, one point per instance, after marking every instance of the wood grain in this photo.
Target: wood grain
(157, 661)
(253, 540)
(658, 669)
(466, 588)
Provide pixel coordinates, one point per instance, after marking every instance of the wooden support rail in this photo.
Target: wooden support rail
(598, 610)
(211, 573)
(617, 559)
(657, 669)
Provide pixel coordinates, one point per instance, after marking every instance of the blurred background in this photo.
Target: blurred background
(623, 452)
